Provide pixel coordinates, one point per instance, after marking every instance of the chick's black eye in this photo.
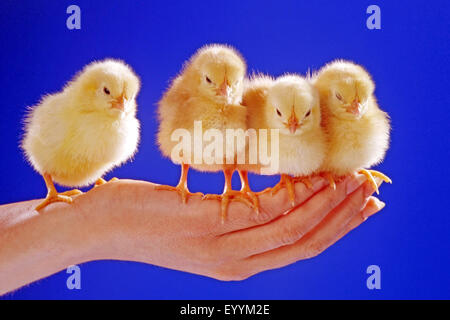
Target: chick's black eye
(208, 80)
(106, 90)
(308, 113)
(338, 96)
(278, 112)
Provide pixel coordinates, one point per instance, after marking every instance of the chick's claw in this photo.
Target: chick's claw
(331, 179)
(380, 175)
(371, 174)
(287, 182)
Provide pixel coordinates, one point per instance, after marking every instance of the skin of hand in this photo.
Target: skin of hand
(131, 220)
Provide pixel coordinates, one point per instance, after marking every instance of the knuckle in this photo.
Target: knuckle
(290, 235)
(261, 217)
(314, 249)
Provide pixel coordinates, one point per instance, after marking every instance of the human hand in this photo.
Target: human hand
(133, 221)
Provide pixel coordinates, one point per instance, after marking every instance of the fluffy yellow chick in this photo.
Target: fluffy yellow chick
(358, 131)
(75, 136)
(209, 89)
(289, 104)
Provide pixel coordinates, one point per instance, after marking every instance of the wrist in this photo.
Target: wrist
(34, 245)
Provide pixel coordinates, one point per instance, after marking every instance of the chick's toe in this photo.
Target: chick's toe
(225, 198)
(70, 193)
(182, 190)
(286, 181)
(53, 198)
(101, 181)
(247, 191)
(53, 195)
(371, 174)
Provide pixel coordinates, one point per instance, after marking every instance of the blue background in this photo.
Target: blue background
(408, 58)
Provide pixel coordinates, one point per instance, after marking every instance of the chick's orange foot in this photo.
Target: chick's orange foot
(101, 181)
(181, 187)
(286, 181)
(182, 190)
(305, 180)
(225, 198)
(371, 174)
(247, 191)
(228, 195)
(54, 196)
(332, 179)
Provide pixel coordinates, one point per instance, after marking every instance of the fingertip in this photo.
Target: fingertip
(373, 206)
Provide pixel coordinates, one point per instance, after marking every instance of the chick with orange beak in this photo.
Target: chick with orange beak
(357, 130)
(208, 91)
(290, 105)
(75, 136)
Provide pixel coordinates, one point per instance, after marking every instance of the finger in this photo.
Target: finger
(289, 228)
(324, 235)
(271, 206)
(373, 206)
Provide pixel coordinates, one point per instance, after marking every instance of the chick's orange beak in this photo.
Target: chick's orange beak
(119, 103)
(292, 123)
(355, 108)
(223, 89)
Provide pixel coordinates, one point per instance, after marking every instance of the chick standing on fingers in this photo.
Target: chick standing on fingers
(209, 90)
(291, 105)
(75, 136)
(358, 131)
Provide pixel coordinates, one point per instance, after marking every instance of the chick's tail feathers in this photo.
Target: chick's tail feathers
(53, 195)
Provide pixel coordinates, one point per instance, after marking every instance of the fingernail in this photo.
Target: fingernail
(378, 204)
(354, 183)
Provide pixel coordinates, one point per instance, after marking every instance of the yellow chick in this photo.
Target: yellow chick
(209, 89)
(358, 131)
(289, 104)
(75, 136)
